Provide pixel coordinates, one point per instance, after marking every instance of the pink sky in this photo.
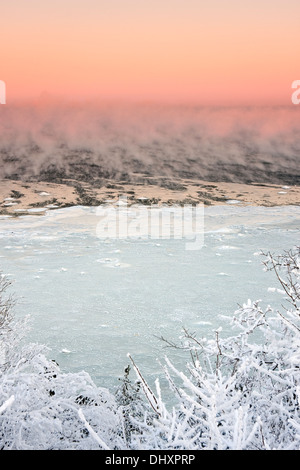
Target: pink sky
(205, 52)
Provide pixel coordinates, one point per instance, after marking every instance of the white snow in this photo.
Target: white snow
(36, 209)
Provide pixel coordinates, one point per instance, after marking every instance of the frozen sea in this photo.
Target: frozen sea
(93, 300)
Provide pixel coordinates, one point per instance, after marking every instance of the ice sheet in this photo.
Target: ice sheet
(92, 300)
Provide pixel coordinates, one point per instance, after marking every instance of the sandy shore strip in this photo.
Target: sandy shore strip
(20, 198)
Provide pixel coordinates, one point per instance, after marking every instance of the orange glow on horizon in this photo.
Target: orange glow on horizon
(176, 51)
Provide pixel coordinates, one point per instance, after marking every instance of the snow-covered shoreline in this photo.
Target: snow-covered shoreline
(19, 198)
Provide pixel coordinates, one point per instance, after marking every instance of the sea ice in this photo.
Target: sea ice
(105, 313)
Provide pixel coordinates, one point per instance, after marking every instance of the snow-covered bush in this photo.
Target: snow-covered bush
(238, 392)
(43, 408)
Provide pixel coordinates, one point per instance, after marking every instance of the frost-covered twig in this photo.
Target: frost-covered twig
(147, 390)
(91, 431)
(7, 404)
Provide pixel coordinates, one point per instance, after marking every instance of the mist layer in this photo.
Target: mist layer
(95, 141)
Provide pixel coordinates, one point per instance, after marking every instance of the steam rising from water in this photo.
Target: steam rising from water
(91, 141)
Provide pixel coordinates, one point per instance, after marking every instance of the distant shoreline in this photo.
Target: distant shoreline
(21, 197)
